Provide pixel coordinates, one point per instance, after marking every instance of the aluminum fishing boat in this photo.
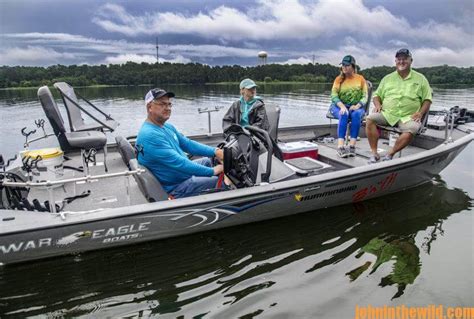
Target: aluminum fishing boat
(77, 202)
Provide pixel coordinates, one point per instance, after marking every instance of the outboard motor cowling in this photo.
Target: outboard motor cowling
(241, 152)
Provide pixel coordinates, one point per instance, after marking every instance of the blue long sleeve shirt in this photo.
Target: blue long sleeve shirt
(164, 154)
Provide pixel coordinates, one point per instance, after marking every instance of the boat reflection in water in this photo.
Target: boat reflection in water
(207, 272)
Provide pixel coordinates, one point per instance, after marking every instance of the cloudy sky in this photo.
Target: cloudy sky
(47, 32)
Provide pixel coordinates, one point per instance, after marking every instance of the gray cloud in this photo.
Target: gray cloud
(281, 19)
(34, 55)
(123, 58)
(115, 50)
(292, 31)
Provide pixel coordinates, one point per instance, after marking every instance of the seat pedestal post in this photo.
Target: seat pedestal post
(105, 158)
(85, 162)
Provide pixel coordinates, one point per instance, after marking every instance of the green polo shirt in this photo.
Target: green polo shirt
(401, 98)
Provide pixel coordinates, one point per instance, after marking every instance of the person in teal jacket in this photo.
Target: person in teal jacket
(164, 151)
(249, 109)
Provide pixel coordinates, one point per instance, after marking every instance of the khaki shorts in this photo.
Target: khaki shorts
(410, 126)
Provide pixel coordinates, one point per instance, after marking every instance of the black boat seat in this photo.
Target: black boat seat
(273, 115)
(74, 111)
(148, 184)
(395, 129)
(86, 139)
(70, 140)
(125, 149)
(421, 130)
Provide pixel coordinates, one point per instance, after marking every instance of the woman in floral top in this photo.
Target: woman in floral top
(349, 98)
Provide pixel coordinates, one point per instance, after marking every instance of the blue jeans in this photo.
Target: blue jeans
(195, 185)
(355, 117)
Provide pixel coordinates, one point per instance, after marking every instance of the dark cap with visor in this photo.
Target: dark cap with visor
(348, 60)
(156, 94)
(403, 52)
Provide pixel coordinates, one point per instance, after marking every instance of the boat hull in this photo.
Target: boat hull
(33, 235)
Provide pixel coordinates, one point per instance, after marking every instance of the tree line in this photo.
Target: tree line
(132, 73)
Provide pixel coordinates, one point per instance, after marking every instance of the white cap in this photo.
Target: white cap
(156, 94)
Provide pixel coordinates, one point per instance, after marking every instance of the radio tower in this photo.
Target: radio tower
(157, 55)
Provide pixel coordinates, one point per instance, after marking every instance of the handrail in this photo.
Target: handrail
(71, 180)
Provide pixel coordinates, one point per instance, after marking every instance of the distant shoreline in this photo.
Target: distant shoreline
(134, 74)
(457, 85)
(174, 84)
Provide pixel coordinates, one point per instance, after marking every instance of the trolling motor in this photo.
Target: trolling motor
(457, 115)
(242, 149)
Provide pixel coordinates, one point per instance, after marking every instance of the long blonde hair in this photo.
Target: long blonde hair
(343, 76)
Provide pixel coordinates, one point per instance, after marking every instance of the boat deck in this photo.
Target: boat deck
(104, 193)
(112, 192)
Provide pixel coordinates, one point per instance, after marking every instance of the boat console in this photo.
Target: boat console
(250, 159)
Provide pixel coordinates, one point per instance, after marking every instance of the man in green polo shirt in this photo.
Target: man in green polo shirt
(401, 100)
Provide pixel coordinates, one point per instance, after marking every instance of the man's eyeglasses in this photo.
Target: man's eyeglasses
(164, 104)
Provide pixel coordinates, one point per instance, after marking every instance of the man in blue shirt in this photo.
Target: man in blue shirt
(164, 151)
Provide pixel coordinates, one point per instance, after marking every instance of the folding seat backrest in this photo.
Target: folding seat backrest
(148, 184)
(273, 115)
(125, 149)
(54, 116)
(73, 112)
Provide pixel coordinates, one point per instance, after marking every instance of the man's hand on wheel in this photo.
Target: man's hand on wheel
(219, 154)
(218, 169)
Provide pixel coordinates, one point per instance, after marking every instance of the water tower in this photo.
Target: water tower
(262, 57)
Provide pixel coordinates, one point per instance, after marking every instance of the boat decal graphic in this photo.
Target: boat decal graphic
(300, 197)
(246, 206)
(66, 240)
(211, 215)
(380, 186)
(206, 216)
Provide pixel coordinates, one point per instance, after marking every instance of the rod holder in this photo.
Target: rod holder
(209, 110)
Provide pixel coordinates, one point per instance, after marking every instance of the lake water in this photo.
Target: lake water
(413, 248)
